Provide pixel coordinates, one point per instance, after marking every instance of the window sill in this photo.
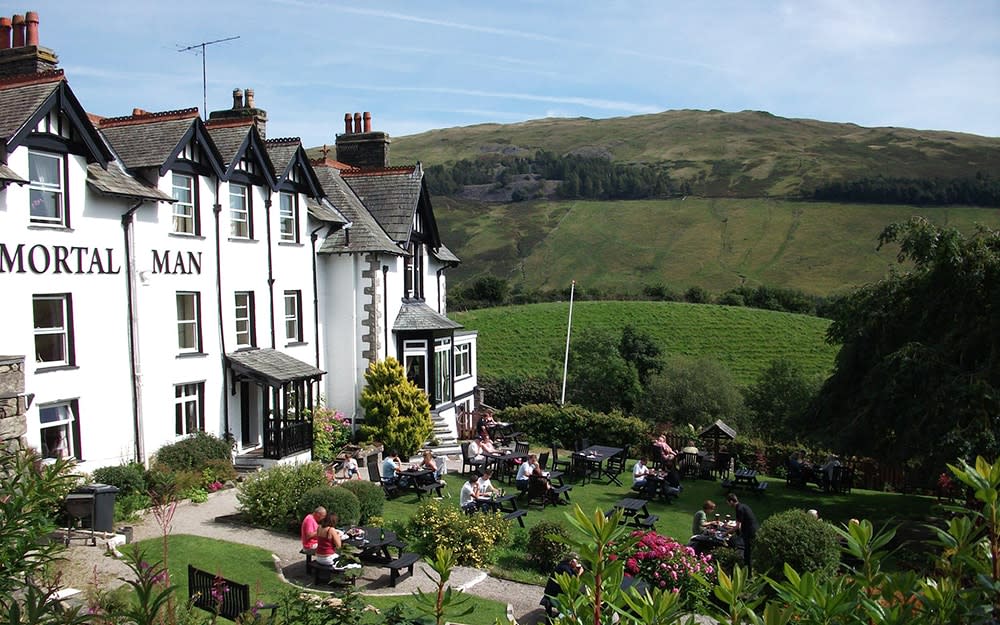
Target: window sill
(39, 226)
(246, 348)
(296, 343)
(241, 240)
(56, 368)
(459, 378)
(192, 355)
(291, 244)
(186, 235)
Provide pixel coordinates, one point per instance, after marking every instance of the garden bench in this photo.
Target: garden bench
(648, 522)
(308, 552)
(234, 597)
(508, 506)
(325, 573)
(516, 514)
(404, 561)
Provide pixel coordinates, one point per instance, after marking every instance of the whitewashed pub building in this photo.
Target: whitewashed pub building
(163, 274)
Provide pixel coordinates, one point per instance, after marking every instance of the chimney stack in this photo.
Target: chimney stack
(4, 33)
(20, 52)
(359, 146)
(249, 98)
(348, 123)
(18, 23)
(237, 99)
(244, 107)
(368, 121)
(31, 19)
(357, 122)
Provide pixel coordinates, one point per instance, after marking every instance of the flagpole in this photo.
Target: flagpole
(569, 329)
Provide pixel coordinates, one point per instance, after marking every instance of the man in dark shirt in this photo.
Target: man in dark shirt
(746, 525)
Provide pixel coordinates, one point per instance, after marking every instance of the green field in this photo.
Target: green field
(717, 244)
(529, 339)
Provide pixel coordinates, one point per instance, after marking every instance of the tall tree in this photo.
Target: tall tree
(397, 411)
(599, 378)
(918, 376)
(642, 351)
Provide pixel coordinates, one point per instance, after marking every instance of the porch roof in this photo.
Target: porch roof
(271, 366)
(420, 316)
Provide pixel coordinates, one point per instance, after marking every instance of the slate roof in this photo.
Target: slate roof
(718, 430)
(115, 182)
(324, 212)
(445, 255)
(149, 139)
(420, 316)
(20, 97)
(272, 366)
(282, 151)
(229, 139)
(365, 234)
(390, 194)
(7, 174)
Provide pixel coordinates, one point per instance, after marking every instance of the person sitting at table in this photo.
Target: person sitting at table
(391, 470)
(486, 444)
(484, 487)
(351, 468)
(476, 449)
(672, 483)
(569, 566)
(486, 423)
(310, 527)
(327, 540)
(701, 517)
(667, 454)
(467, 496)
(524, 471)
(690, 460)
(640, 472)
(826, 470)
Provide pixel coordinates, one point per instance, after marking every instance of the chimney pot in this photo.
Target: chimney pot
(368, 121)
(31, 18)
(357, 122)
(18, 23)
(249, 98)
(237, 98)
(138, 111)
(348, 124)
(4, 33)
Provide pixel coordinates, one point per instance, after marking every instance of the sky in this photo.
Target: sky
(418, 66)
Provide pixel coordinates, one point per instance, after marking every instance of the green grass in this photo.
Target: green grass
(253, 566)
(715, 243)
(529, 339)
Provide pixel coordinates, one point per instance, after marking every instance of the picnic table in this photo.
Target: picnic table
(715, 535)
(745, 479)
(593, 462)
(421, 481)
(501, 463)
(636, 512)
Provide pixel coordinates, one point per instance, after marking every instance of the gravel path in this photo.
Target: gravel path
(87, 564)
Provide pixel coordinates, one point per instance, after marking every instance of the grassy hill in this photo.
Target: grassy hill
(715, 243)
(529, 339)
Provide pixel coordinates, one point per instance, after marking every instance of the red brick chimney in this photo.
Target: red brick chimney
(368, 121)
(359, 146)
(4, 33)
(357, 122)
(18, 23)
(348, 124)
(31, 19)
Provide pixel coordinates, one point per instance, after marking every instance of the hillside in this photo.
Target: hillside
(529, 339)
(746, 154)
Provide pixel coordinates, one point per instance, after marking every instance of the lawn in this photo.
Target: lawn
(675, 518)
(251, 565)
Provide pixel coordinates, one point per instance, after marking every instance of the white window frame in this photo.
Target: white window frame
(64, 330)
(47, 187)
(288, 216)
(187, 396)
(240, 219)
(463, 360)
(194, 322)
(293, 318)
(415, 350)
(185, 219)
(60, 417)
(246, 336)
(443, 379)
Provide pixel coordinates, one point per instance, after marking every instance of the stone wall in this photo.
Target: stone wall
(12, 401)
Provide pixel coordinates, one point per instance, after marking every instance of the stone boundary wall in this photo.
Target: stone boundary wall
(13, 424)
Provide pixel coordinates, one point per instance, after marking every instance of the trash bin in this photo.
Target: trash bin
(102, 516)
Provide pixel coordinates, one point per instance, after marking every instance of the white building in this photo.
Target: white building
(165, 275)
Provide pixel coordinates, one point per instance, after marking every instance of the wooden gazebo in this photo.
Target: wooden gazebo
(717, 432)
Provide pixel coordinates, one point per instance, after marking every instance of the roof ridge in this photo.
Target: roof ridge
(329, 162)
(380, 171)
(229, 123)
(145, 118)
(284, 140)
(37, 78)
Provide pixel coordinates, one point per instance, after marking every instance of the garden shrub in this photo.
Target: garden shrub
(664, 563)
(473, 537)
(335, 499)
(371, 498)
(217, 471)
(331, 431)
(544, 552)
(796, 538)
(128, 478)
(193, 452)
(270, 497)
(127, 505)
(397, 411)
(547, 423)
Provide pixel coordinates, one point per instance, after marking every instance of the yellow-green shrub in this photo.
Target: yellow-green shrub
(473, 537)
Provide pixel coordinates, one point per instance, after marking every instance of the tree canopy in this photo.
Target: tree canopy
(918, 377)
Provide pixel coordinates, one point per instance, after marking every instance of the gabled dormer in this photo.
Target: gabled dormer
(295, 178)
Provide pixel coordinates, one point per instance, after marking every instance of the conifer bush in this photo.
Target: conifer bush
(397, 411)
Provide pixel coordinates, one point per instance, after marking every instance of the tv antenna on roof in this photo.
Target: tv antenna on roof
(204, 81)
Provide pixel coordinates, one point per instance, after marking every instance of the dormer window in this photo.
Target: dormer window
(289, 217)
(45, 176)
(241, 224)
(185, 212)
(413, 272)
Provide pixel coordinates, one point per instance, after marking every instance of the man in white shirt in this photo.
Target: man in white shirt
(475, 449)
(467, 498)
(639, 473)
(525, 471)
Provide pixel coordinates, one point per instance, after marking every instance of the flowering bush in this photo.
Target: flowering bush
(664, 563)
(472, 537)
(331, 431)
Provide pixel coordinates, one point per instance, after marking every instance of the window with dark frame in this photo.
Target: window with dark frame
(53, 321)
(288, 216)
(189, 321)
(240, 218)
(293, 316)
(45, 189)
(246, 326)
(189, 408)
(442, 371)
(185, 209)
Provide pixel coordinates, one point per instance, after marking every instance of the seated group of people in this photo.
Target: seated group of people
(673, 458)
(802, 471)
(478, 492)
(392, 469)
(650, 483)
(480, 446)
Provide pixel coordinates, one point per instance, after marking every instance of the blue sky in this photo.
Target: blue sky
(423, 65)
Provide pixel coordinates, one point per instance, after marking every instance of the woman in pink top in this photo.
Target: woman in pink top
(327, 540)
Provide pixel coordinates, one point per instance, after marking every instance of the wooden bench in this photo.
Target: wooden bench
(230, 599)
(648, 522)
(516, 514)
(308, 552)
(328, 573)
(404, 561)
